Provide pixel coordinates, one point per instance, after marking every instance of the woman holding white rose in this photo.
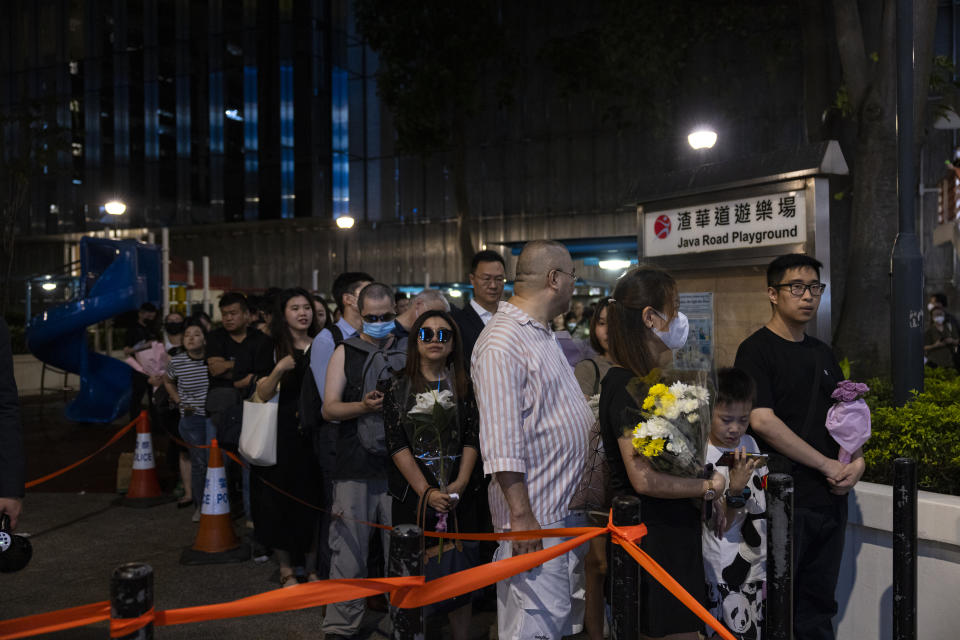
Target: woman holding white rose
(432, 432)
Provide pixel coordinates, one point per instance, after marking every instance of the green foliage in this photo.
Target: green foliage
(926, 429)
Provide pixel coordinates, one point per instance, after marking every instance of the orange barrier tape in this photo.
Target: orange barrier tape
(406, 592)
(51, 476)
(55, 621)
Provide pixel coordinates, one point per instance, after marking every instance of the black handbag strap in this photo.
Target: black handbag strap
(596, 380)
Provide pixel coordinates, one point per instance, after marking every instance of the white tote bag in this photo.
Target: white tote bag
(258, 433)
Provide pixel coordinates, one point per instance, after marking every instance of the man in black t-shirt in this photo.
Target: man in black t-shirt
(230, 353)
(795, 375)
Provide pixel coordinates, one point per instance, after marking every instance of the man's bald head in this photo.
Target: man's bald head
(537, 259)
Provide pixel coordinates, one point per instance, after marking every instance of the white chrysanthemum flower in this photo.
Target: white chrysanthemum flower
(672, 413)
(692, 418)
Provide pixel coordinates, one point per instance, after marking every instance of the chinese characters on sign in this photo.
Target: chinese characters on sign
(759, 221)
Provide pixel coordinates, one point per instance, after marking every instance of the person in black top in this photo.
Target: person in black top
(795, 375)
(230, 353)
(643, 304)
(138, 336)
(420, 493)
(11, 434)
(282, 523)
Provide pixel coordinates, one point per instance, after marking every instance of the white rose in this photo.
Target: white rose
(445, 398)
(425, 402)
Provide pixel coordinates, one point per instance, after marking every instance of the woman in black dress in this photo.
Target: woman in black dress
(643, 307)
(281, 523)
(435, 466)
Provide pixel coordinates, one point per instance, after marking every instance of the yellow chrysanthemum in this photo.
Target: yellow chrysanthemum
(654, 447)
(658, 390)
(648, 403)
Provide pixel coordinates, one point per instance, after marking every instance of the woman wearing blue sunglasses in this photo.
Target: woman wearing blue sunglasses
(432, 432)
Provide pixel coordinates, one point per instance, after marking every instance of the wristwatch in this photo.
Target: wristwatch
(737, 500)
(709, 494)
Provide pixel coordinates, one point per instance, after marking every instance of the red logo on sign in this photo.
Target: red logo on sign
(662, 226)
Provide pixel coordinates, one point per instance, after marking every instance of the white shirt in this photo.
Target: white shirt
(533, 418)
(483, 313)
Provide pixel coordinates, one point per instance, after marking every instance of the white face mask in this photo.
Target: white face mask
(939, 319)
(929, 306)
(676, 334)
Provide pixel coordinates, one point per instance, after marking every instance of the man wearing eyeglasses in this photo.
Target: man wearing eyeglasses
(487, 277)
(795, 374)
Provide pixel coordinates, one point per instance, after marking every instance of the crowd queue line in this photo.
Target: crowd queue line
(518, 415)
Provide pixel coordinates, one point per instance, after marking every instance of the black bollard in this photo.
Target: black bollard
(406, 559)
(904, 549)
(131, 596)
(624, 574)
(779, 622)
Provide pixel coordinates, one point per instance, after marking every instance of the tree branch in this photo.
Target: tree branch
(853, 56)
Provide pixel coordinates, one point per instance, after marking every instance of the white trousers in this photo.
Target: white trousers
(539, 604)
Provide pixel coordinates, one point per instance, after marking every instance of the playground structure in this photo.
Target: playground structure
(117, 276)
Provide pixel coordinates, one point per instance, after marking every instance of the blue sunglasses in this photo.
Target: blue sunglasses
(443, 335)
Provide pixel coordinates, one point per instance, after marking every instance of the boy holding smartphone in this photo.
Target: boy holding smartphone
(734, 538)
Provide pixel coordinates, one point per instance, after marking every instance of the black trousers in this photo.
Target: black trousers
(818, 550)
(139, 386)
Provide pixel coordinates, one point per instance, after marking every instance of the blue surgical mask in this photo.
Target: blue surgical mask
(676, 334)
(378, 330)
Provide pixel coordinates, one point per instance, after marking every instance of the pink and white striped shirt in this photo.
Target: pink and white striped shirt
(533, 417)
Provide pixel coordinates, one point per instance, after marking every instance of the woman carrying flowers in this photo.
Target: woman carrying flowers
(653, 439)
(432, 432)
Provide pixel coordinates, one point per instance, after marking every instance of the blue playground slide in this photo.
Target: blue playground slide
(117, 276)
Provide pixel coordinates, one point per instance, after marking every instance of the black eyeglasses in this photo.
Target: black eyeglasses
(443, 335)
(797, 289)
(383, 317)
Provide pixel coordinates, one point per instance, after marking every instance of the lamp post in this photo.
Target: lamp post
(906, 324)
(702, 138)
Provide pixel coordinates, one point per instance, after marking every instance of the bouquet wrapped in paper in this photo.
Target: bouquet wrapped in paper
(672, 430)
(848, 421)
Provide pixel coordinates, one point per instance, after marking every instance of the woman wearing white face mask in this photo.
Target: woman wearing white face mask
(643, 327)
(940, 340)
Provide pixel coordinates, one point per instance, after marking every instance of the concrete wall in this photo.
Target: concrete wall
(27, 371)
(865, 592)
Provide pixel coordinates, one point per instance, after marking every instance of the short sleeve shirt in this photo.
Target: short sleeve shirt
(192, 379)
(787, 379)
(242, 354)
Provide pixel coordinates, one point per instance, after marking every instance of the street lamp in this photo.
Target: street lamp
(115, 208)
(345, 222)
(703, 138)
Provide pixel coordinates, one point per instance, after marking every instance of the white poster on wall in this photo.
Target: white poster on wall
(697, 353)
(760, 221)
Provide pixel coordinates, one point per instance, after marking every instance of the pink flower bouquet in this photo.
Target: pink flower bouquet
(848, 421)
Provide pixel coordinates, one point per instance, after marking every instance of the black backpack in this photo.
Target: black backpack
(311, 401)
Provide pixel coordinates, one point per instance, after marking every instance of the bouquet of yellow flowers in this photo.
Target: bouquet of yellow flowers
(672, 431)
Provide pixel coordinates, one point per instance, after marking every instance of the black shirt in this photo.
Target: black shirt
(139, 333)
(618, 414)
(242, 354)
(785, 373)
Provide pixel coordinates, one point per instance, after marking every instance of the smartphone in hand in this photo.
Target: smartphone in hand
(729, 458)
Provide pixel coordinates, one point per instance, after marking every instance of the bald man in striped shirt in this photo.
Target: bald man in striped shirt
(534, 424)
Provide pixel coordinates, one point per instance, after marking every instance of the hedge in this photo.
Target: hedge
(926, 429)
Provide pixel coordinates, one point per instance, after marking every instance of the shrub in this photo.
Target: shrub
(926, 429)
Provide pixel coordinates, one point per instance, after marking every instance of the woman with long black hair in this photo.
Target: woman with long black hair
(432, 432)
(282, 523)
(643, 327)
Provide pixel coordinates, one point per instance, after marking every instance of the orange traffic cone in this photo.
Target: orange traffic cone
(144, 490)
(216, 542)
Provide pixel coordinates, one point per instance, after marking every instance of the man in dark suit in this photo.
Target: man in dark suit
(487, 277)
(11, 435)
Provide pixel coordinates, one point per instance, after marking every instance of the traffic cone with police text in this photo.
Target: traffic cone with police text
(216, 541)
(144, 489)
